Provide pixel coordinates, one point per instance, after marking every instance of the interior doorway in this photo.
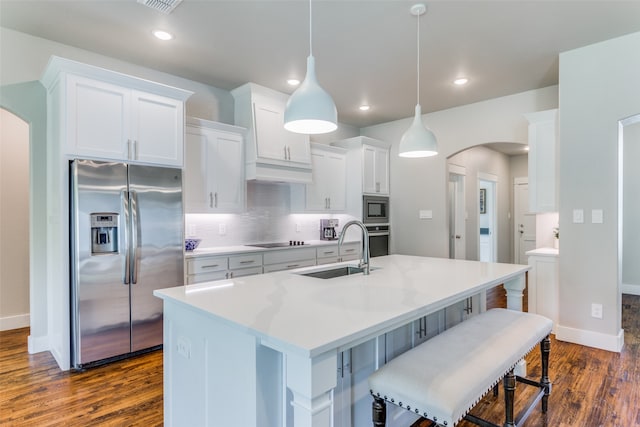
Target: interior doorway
(457, 212)
(14, 221)
(524, 233)
(487, 218)
(629, 208)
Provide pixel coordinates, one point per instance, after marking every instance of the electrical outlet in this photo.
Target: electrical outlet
(191, 230)
(184, 347)
(222, 229)
(596, 311)
(298, 227)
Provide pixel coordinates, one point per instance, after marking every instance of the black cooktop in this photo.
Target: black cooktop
(278, 244)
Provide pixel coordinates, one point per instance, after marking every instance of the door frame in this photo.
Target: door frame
(493, 179)
(454, 204)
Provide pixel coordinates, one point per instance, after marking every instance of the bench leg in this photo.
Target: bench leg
(545, 348)
(379, 412)
(509, 396)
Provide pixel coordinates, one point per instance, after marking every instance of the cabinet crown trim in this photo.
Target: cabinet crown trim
(358, 141)
(58, 65)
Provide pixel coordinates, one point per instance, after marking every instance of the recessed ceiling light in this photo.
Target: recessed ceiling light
(461, 81)
(293, 82)
(162, 35)
(364, 107)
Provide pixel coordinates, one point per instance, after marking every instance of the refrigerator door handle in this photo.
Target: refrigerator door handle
(135, 237)
(125, 209)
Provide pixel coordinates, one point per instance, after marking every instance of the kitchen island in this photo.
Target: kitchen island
(267, 350)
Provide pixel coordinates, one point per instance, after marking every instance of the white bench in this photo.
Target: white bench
(443, 378)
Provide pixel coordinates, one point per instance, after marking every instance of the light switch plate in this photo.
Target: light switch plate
(597, 216)
(425, 214)
(578, 216)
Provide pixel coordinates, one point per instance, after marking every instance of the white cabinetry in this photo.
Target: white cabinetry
(208, 268)
(214, 167)
(367, 170)
(329, 254)
(288, 259)
(327, 192)
(375, 170)
(543, 131)
(111, 116)
(272, 153)
(543, 289)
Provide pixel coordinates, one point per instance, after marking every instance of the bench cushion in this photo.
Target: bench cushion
(447, 375)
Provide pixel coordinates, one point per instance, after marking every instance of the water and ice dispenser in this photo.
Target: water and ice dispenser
(104, 233)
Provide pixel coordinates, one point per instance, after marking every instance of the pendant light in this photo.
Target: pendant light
(310, 109)
(418, 140)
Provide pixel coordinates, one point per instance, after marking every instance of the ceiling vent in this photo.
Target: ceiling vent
(164, 6)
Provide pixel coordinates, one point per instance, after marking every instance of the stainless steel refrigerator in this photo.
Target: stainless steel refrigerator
(126, 241)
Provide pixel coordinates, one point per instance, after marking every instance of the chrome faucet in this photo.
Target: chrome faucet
(365, 236)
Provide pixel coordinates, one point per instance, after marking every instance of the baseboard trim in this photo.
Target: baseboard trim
(591, 339)
(37, 344)
(629, 289)
(14, 322)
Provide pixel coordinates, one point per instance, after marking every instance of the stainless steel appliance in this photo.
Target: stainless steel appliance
(126, 241)
(375, 210)
(328, 229)
(378, 239)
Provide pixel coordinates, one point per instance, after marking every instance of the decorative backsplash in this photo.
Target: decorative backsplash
(266, 219)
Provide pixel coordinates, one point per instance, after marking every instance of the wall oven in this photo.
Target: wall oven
(378, 239)
(375, 210)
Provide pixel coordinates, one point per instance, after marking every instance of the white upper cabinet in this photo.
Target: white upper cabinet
(375, 170)
(214, 167)
(112, 116)
(543, 131)
(272, 152)
(327, 192)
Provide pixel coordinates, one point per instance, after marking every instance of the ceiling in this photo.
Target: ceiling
(365, 50)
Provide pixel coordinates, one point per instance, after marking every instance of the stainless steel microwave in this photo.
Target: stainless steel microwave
(375, 210)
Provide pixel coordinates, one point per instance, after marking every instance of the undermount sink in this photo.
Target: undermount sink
(330, 273)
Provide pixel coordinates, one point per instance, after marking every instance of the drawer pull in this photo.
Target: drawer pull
(211, 266)
(329, 252)
(349, 250)
(251, 261)
(293, 265)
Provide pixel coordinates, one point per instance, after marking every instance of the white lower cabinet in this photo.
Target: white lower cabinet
(543, 288)
(289, 259)
(208, 268)
(329, 254)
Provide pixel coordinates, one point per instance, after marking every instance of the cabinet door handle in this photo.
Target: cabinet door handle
(251, 261)
(230, 275)
(329, 252)
(293, 265)
(289, 153)
(329, 198)
(210, 199)
(285, 152)
(210, 266)
(216, 199)
(349, 250)
(377, 187)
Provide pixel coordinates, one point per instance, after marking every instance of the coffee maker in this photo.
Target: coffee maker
(328, 229)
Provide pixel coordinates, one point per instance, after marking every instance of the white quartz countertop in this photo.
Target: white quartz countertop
(543, 252)
(241, 249)
(310, 316)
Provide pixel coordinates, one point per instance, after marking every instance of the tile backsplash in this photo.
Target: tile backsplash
(267, 218)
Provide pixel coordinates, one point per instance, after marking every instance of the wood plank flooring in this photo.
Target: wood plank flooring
(591, 388)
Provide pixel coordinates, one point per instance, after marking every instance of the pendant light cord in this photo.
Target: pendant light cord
(310, 31)
(418, 55)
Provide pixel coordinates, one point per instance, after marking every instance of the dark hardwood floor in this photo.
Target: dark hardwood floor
(591, 387)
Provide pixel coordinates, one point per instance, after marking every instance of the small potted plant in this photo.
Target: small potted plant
(556, 237)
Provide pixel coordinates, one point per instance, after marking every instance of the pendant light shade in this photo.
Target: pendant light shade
(310, 109)
(418, 140)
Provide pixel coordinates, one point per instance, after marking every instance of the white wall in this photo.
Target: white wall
(422, 183)
(14, 221)
(599, 86)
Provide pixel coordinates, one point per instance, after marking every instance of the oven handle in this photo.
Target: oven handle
(378, 233)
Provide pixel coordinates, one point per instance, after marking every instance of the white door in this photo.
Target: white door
(487, 218)
(228, 175)
(457, 214)
(524, 221)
